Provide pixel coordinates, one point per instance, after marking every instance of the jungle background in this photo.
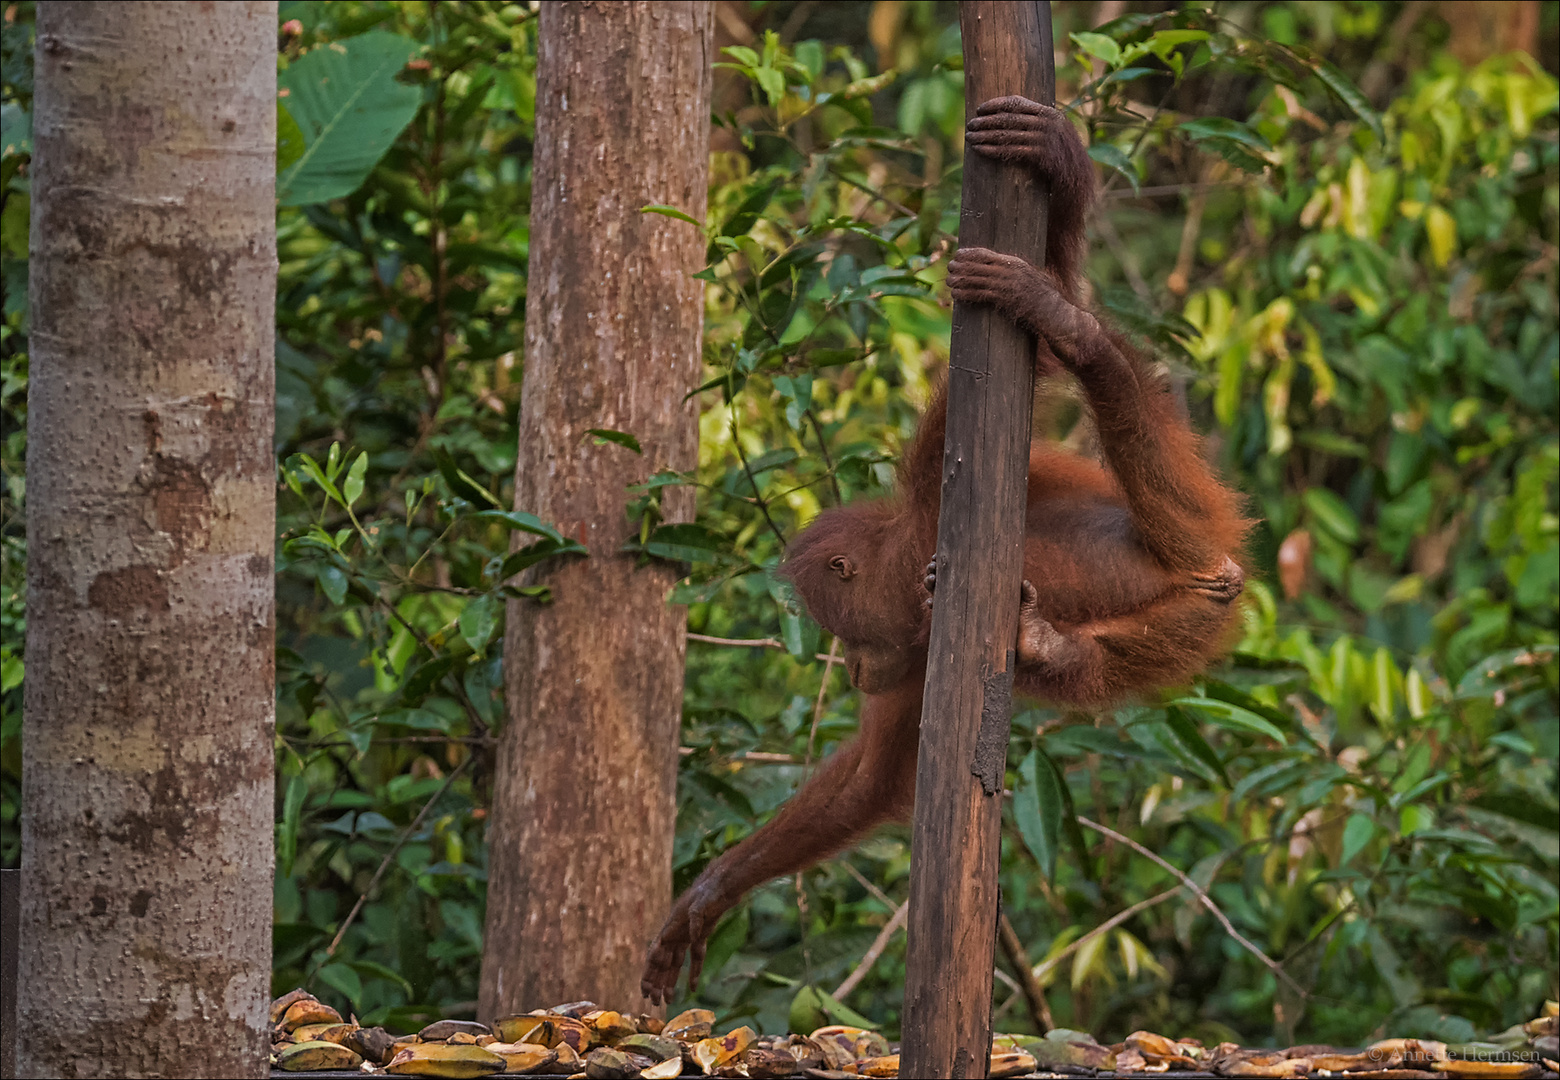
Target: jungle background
(1336, 222)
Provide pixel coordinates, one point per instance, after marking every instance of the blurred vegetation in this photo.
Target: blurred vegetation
(1349, 263)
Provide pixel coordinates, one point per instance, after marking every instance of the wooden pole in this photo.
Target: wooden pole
(980, 544)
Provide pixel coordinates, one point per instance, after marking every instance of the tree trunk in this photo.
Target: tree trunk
(1485, 28)
(147, 801)
(583, 814)
(951, 936)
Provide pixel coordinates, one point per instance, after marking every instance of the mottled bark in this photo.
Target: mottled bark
(147, 761)
(583, 815)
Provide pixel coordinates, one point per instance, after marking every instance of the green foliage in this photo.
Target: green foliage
(341, 109)
(400, 299)
(16, 45)
(1364, 319)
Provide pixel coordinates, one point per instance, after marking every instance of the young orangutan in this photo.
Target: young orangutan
(1129, 569)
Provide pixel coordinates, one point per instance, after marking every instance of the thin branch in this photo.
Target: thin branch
(823, 448)
(1029, 983)
(875, 950)
(1129, 263)
(763, 643)
(866, 883)
(759, 757)
(390, 855)
(1160, 190)
(465, 740)
(763, 506)
(1229, 928)
(1142, 135)
(823, 685)
(1039, 971)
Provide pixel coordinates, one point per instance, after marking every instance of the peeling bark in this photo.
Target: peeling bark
(145, 925)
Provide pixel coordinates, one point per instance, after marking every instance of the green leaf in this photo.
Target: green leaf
(532, 554)
(772, 82)
(478, 620)
(1037, 810)
(315, 473)
(287, 828)
(1489, 675)
(334, 581)
(1332, 514)
(353, 487)
(1165, 40)
(460, 483)
(11, 671)
(16, 124)
(746, 213)
(1113, 157)
(729, 936)
(1193, 740)
(813, 1008)
(289, 139)
(1340, 86)
(1098, 46)
(1228, 715)
(797, 391)
(519, 520)
(621, 438)
(1222, 127)
(379, 971)
(1357, 832)
(669, 211)
(684, 542)
(348, 107)
(343, 978)
(419, 719)
(1441, 228)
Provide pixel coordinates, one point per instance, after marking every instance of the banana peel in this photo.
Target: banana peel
(1011, 1063)
(860, 1041)
(445, 1059)
(607, 1063)
(762, 1063)
(522, 1057)
(442, 1030)
(609, 1026)
(710, 1054)
(375, 1044)
(336, 1033)
(280, 1006)
(654, 1047)
(690, 1026)
(308, 1010)
(316, 1055)
(886, 1065)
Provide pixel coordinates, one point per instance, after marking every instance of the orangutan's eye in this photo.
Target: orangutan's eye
(842, 566)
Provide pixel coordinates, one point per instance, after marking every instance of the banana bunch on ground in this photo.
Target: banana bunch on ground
(583, 1040)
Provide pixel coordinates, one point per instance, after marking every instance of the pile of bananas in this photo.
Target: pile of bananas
(582, 1040)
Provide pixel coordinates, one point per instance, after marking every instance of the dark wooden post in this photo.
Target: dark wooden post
(980, 544)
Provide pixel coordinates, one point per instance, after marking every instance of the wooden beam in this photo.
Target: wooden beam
(980, 544)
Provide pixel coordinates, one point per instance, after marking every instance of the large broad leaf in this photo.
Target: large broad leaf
(1038, 810)
(348, 109)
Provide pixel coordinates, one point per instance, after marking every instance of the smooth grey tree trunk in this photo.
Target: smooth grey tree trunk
(149, 714)
(581, 838)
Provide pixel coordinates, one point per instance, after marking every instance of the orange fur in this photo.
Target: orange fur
(1131, 564)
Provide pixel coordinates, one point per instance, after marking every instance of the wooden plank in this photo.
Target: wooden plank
(964, 721)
